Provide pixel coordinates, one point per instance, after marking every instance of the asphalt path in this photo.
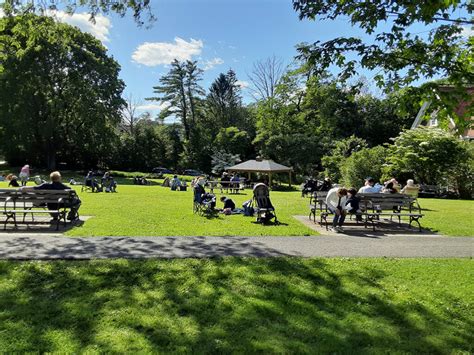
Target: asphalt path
(54, 246)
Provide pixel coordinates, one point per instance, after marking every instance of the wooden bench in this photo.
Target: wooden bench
(233, 186)
(373, 206)
(390, 205)
(32, 202)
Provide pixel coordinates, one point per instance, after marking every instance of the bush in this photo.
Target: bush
(366, 162)
(432, 156)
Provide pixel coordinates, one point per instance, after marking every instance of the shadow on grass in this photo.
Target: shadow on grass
(282, 305)
(40, 226)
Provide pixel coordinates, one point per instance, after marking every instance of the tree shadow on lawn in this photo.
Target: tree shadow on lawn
(283, 305)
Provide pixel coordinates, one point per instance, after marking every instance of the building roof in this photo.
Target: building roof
(263, 166)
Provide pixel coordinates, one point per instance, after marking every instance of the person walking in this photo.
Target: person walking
(24, 174)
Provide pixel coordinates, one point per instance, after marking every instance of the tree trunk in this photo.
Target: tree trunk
(51, 159)
(185, 111)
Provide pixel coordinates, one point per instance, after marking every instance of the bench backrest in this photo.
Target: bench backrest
(36, 196)
(381, 202)
(318, 199)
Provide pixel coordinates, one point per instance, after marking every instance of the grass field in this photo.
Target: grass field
(242, 305)
(448, 217)
(157, 211)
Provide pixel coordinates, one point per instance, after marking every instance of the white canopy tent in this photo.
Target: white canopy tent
(261, 166)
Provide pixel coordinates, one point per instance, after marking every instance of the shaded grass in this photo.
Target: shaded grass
(244, 305)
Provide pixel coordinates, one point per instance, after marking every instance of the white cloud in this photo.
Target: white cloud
(100, 29)
(467, 31)
(2, 13)
(243, 84)
(209, 64)
(153, 107)
(156, 53)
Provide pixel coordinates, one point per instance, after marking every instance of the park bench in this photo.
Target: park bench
(373, 206)
(377, 205)
(35, 202)
(229, 186)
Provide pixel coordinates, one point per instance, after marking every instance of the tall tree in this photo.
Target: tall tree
(130, 117)
(264, 77)
(173, 94)
(224, 102)
(61, 95)
(180, 92)
(401, 55)
(193, 89)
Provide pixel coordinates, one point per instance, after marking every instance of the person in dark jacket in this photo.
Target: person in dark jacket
(56, 184)
(13, 182)
(353, 203)
(229, 205)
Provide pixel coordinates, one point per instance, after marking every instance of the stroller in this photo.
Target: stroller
(203, 203)
(263, 206)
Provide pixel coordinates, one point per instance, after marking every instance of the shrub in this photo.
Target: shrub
(366, 162)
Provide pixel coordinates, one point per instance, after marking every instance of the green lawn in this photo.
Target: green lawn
(158, 211)
(155, 210)
(448, 217)
(242, 305)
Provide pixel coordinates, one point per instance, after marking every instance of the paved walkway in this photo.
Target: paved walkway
(49, 246)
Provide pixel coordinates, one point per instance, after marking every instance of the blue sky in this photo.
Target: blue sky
(220, 34)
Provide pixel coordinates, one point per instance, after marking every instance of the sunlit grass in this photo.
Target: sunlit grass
(158, 211)
(243, 305)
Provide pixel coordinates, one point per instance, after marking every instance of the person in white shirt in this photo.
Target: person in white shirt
(411, 189)
(336, 200)
(370, 186)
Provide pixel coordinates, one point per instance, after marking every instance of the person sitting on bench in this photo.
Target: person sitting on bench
(336, 201)
(56, 184)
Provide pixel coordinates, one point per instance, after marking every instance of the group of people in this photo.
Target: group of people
(230, 182)
(201, 196)
(140, 180)
(389, 187)
(311, 185)
(22, 180)
(107, 182)
(341, 200)
(13, 179)
(175, 184)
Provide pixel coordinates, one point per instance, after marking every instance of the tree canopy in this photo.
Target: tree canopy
(61, 95)
(139, 8)
(400, 54)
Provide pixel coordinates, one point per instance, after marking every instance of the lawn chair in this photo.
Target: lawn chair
(263, 206)
(203, 203)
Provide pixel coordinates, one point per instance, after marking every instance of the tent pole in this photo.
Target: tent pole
(290, 178)
(270, 180)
